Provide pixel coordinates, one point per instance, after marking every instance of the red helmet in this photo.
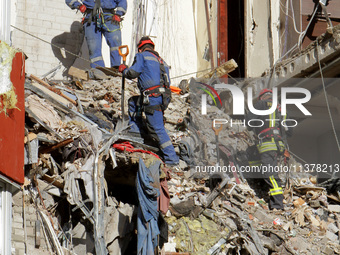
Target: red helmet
(145, 40)
(264, 91)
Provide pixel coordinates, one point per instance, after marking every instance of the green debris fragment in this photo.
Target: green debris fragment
(204, 233)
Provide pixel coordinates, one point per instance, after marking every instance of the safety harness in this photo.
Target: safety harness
(100, 16)
(163, 89)
(270, 138)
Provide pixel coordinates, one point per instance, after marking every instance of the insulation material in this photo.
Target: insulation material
(7, 93)
(71, 187)
(31, 152)
(44, 111)
(119, 227)
(202, 233)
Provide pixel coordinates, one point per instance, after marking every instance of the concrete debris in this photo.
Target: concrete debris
(82, 165)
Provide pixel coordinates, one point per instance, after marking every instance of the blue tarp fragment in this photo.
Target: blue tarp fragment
(147, 184)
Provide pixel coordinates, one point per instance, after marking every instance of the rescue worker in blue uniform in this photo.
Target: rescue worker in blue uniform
(154, 85)
(270, 144)
(101, 17)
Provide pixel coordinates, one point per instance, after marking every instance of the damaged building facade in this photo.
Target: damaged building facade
(73, 180)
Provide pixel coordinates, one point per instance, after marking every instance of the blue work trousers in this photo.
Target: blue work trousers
(93, 34)
(155, 127)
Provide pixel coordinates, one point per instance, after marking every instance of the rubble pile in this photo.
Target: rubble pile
(81, 168)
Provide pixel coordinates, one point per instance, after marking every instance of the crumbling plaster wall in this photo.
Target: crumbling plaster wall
(262, 24)
(201, 32)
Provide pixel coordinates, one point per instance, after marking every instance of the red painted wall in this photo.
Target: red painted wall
(12, 127)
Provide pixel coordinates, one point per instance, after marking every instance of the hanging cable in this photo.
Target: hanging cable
(327, 102)
(191, 73)
(293, 17)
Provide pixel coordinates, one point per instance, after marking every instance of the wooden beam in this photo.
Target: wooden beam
(78, 73)
(48, 86)
(223, 69)
(59, 183)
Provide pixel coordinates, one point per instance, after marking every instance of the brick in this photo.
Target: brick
(47, 52)
(47, 24)
(55, 26)
(58, 13)
(20, 6)
(19, 232)
(45, 16)
(65, 27)
(20, 252)
(37, 22)
(17, 217)
(37, 31)
(17, 238)
(30, 223)
(21, 13)
(20, 20)
(30, 231)
(49, 10)
(29, 22)
(16, 225)
(17, 209)
(31, 240)
(17, 198)
(32, 43)
(32, 70)
(31, 217)
(31, 210)
(19, 245)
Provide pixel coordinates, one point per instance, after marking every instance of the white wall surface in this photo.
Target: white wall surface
(5, 19)
(170, 24)
(261, 44)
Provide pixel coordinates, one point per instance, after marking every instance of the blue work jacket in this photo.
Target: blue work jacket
(119, 5)
(146, 67)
